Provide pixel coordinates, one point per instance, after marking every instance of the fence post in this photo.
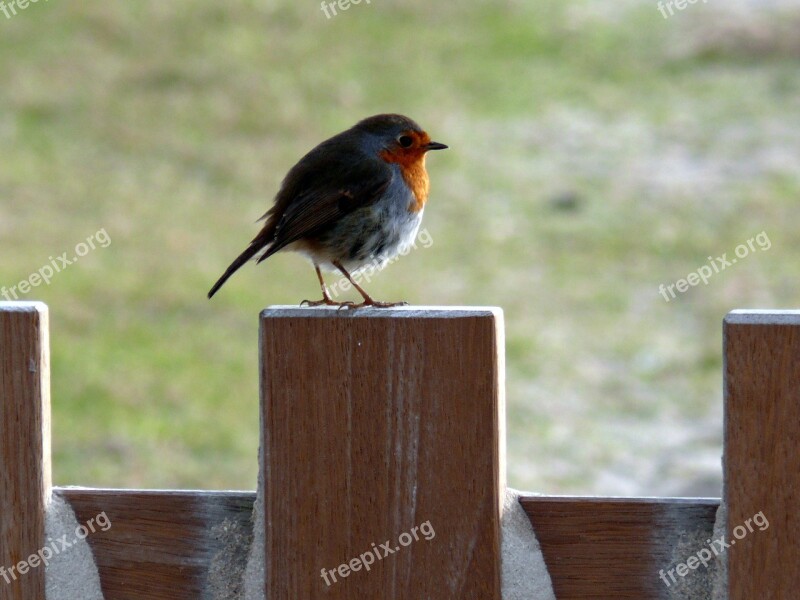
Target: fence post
(383, 452)
(25, 442)
(762, 456)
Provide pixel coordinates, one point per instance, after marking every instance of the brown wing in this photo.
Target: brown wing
(323, 198)
(316, 192)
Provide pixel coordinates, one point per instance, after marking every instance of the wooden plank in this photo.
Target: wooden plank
(762, 461)
(25, 443)
(161, 544)
(377, 422)
(618, 547)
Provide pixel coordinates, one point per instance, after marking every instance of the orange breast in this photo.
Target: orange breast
(412, 166)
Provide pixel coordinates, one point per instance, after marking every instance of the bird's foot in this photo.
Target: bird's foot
(325, 302)
(347, 304)
(378, 304)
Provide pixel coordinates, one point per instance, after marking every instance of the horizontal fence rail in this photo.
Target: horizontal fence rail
(162, 544)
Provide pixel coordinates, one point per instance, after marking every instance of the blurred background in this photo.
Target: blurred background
(599, 150)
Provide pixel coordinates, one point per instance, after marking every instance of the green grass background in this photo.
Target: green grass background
(598, 150)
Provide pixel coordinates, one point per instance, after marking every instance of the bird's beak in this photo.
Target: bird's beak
(435, 146)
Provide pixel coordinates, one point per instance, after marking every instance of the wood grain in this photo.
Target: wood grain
(616, 547)
(25, 443)
(375, 422)
(762, 452)
(162, 545)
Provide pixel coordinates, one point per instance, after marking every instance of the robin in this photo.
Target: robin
(355, 200)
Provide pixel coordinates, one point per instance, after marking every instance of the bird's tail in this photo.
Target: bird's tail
(249, 253)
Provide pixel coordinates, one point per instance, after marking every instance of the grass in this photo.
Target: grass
(596, 153)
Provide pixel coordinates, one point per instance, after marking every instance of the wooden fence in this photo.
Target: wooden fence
(375, 421)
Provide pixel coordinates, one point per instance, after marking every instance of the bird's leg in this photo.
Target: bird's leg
(326, 299)
(368, 301)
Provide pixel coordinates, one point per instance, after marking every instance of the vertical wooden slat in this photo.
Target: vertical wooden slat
(25, 443)
(376, 422)
(762, 453)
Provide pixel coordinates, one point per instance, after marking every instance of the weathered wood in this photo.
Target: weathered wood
(25, 444)
(617, 547)
(161, 544)
(438, 415)
(762, 453)
(376, 422)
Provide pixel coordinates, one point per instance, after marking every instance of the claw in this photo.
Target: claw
(326, 299)
(323, 302)
(376, 304)
(348, 304)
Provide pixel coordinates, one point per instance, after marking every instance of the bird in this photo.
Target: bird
(354, 200)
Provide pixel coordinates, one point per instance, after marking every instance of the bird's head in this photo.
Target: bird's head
(399, 138)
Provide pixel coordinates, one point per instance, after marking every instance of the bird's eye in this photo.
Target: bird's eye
(405, 141)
